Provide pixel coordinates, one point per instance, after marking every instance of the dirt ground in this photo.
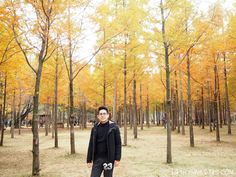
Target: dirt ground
(143, 157)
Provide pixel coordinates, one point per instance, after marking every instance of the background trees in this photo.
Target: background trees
(150, 62)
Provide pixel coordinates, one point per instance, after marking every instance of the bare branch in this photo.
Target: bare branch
(23, 51)
(5, 51)
(50, 54)
(64, 59)
(186, 53)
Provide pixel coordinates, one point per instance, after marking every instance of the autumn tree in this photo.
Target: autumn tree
(44, 14)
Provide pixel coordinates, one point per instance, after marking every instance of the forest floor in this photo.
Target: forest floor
(143, 157)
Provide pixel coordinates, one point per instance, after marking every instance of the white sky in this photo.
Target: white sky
(204, 4)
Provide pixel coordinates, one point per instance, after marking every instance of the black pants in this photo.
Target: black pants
(97, 168)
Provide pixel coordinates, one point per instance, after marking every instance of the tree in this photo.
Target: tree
(167, 68)
(45, 13)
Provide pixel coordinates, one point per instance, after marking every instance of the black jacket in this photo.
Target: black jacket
(113, 143)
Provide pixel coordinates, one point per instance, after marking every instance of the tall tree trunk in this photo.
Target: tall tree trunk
(114, 108)
(52, 120)
(119, 117)
(157, 115)
(147, 112)
(35, 151)
(130, 113)
(4, 110)
(19, 113)
(181, 113)
(125, 93)
(104, 87)
(203, 114)
(209, 106)
(71, 116)
(135, 110)
(71, 91)
(177, 103)
(227, 106)
(46, 118)
(68, 112)
(1, 117)
(81, 108)
(55, 104)
(84, 112)
(190, 104)
(71, 107)
(168, 97)
(219, 100)
(141, 109)
(63, 114)
(216, 94)
(172, 118)
(13, 115)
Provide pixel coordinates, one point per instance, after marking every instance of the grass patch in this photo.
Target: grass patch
(142, 157)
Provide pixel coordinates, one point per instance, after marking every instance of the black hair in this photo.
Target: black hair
(103, 107)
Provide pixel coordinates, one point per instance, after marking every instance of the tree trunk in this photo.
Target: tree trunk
(19, 114)
(135, 111)
(13, 115)
(114, 109)
(81, 110)
(141, 109)
(224, 114)
(177, 103)
(216, 94)
(203, 114)
(125, 94)
(168, 97)
(68, 113)
(190, 104)
(4, 110)
(130, 113)
(172, 117)
(71, 106)
(46, 124)
(1, 117)
(52, 120)
(104, 87)
(46, 118)
(63, 114)
(181, 113)
(147, 113)
(71, 91)
(219, 100)
(35, 151)
(157, 115)
(209, 106)
(84, 112)
(227, 106)
(55, 104)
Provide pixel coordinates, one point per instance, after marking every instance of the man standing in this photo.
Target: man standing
(104, 151)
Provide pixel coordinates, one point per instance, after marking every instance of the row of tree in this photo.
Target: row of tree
(165, 58)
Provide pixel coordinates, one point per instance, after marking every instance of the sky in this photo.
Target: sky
(205, 4)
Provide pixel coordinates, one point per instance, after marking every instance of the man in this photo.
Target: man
(104, 151)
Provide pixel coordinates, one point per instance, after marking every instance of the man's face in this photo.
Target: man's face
(103, 116)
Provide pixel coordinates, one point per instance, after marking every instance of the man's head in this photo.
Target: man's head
(103, 114)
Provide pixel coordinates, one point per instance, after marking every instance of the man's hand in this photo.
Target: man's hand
(89, 165)
(117, 163)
